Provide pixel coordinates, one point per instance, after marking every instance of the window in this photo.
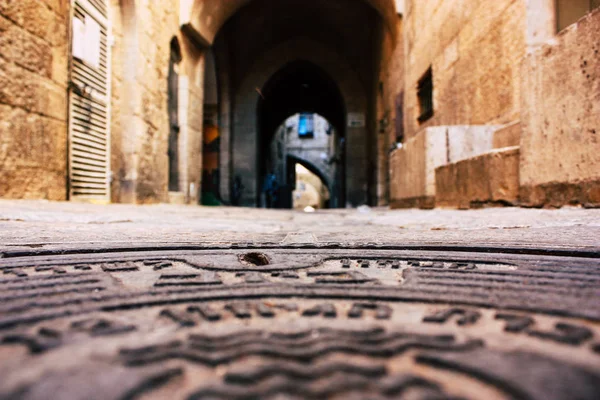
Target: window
(399, 120)
(306, 126)
(425, 95)
(570, 11)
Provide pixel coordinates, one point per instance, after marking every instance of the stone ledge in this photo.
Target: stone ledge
(423, 202)
(558, 194)
(489, 179)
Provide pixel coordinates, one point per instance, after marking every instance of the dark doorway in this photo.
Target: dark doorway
(173, 109)
(211, 135)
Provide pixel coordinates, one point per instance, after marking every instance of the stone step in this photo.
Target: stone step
(488, 179)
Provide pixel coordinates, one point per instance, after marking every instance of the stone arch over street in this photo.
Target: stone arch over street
(282, 37)
(300, 87)
(246, 124)
(207, 17)
(326, 178)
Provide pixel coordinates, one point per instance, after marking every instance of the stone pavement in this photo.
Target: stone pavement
(54, 224)
(182, 302)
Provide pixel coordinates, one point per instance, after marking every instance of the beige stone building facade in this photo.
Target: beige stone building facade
(97, 130)
(514, 104)
(34, 45)
(458, 103)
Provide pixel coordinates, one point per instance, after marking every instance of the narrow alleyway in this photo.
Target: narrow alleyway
(299, 199)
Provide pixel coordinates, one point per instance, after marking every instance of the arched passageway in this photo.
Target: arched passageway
(275, 59)
(316, 134)
(310, 140)
(299, 86)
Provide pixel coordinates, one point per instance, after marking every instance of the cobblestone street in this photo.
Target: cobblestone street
(40, 224)
(197, 302)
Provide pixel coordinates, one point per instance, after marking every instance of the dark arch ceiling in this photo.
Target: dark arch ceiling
(207, 17)
(351, 27)
(299, 86)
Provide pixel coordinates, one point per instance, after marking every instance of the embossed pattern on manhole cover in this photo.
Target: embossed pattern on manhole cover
(299, 323)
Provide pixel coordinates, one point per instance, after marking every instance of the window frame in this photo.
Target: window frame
(425, 96)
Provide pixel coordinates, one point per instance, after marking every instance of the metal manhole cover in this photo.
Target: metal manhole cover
(299, 323)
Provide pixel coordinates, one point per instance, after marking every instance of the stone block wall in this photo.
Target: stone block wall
(560, 147)
(33, 98)
(468, 141)
(140, 124)
(412, 169)
(157, 23)
(488, 179)
(391, 78)
(474, 48)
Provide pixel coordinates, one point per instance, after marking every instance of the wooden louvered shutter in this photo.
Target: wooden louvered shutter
(89, 103)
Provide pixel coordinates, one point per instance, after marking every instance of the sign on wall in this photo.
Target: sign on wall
(356, 120)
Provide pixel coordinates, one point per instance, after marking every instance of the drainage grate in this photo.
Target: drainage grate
(303, 323)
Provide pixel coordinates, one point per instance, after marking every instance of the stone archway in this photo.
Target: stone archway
(207, 17)
(301, 87)
(257, 40)
(245, 136)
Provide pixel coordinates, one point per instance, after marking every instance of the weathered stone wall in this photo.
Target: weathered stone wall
(474, 48)
(412, 169)
(391, 88)
(414, 181)
(33, 98)
(140, 123)
(560, 147)
(489, 179)
(507, 136)
(122, 150)
(141, 127)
